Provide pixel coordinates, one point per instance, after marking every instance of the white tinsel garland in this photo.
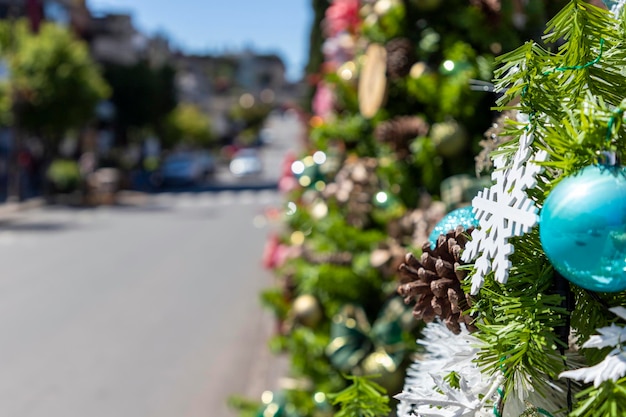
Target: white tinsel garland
(426, 393)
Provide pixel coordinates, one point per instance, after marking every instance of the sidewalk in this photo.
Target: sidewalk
(10, 209)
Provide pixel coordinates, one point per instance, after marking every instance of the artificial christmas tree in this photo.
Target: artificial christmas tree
(396, 111)
(547, 260)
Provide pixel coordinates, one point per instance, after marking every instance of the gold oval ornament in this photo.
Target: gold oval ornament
(373, 80)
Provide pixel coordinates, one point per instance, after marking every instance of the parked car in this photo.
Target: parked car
(187, 168)
(246, 162)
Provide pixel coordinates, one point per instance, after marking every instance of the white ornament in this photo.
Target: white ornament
(446, 401)
(503, 211)
(427, 394)
(617, 7)
(613, 367)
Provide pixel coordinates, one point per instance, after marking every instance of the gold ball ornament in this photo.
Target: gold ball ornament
(449, 137)
(373, 80)
(386, 372)
(307, 310)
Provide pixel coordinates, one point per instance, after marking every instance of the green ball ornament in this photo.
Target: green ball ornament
(582, 227)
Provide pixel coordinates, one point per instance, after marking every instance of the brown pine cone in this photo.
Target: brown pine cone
(400, 57)
(415, 226)
(434, 282)
(354, 188)
(400, 131)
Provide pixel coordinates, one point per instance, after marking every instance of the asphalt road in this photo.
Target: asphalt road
(141, 311)
(145, 310)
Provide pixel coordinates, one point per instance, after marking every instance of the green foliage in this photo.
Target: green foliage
(54, 80)
(349, 129)
(518, 328)
(274, 298)
(590, 313)
(64, 175)
(251, 117)
(609, 399)
(364, 398)
(453, 379)
(187, 124)
(244, 406)
(307, 349)
(518, 320)
(573, 95)
(427, 162)
(6, 116)
(143, 96)
(388, 25)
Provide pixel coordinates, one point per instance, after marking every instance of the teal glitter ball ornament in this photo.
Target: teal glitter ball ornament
(582, 228)
(463, 216)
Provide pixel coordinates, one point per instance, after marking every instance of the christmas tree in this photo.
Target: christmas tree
(541, 279)
(400, 107)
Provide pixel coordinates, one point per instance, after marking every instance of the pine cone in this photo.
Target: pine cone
(387, 257)
(400, 57)
(414, 227)
(400, 131)
(434, 282)
(354, 188)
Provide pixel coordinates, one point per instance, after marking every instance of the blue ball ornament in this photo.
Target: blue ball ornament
(582, 227)
(463, 216)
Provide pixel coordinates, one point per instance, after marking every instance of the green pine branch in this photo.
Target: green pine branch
(364, 398)
(609, 399)
(518, 319)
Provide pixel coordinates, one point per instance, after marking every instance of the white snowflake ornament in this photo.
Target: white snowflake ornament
(503, 211)
(613, 367)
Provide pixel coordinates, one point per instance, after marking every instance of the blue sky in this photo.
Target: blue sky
(214, 26)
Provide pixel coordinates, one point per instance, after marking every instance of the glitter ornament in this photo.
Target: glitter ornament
(582, 228)
(463, 216)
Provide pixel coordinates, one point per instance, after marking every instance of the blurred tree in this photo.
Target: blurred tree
(55, 85)
(143, 96)
(316, 57)
(188, 125)
(250, 118)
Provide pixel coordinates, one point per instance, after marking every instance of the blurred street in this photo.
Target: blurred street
(145, 309)
(149, 310)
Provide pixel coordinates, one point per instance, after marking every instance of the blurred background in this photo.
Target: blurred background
(140, 147)
(168, 166)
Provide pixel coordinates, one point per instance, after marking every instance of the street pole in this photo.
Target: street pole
(13, 169)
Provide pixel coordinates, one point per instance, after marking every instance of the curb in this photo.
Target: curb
(8, 208)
